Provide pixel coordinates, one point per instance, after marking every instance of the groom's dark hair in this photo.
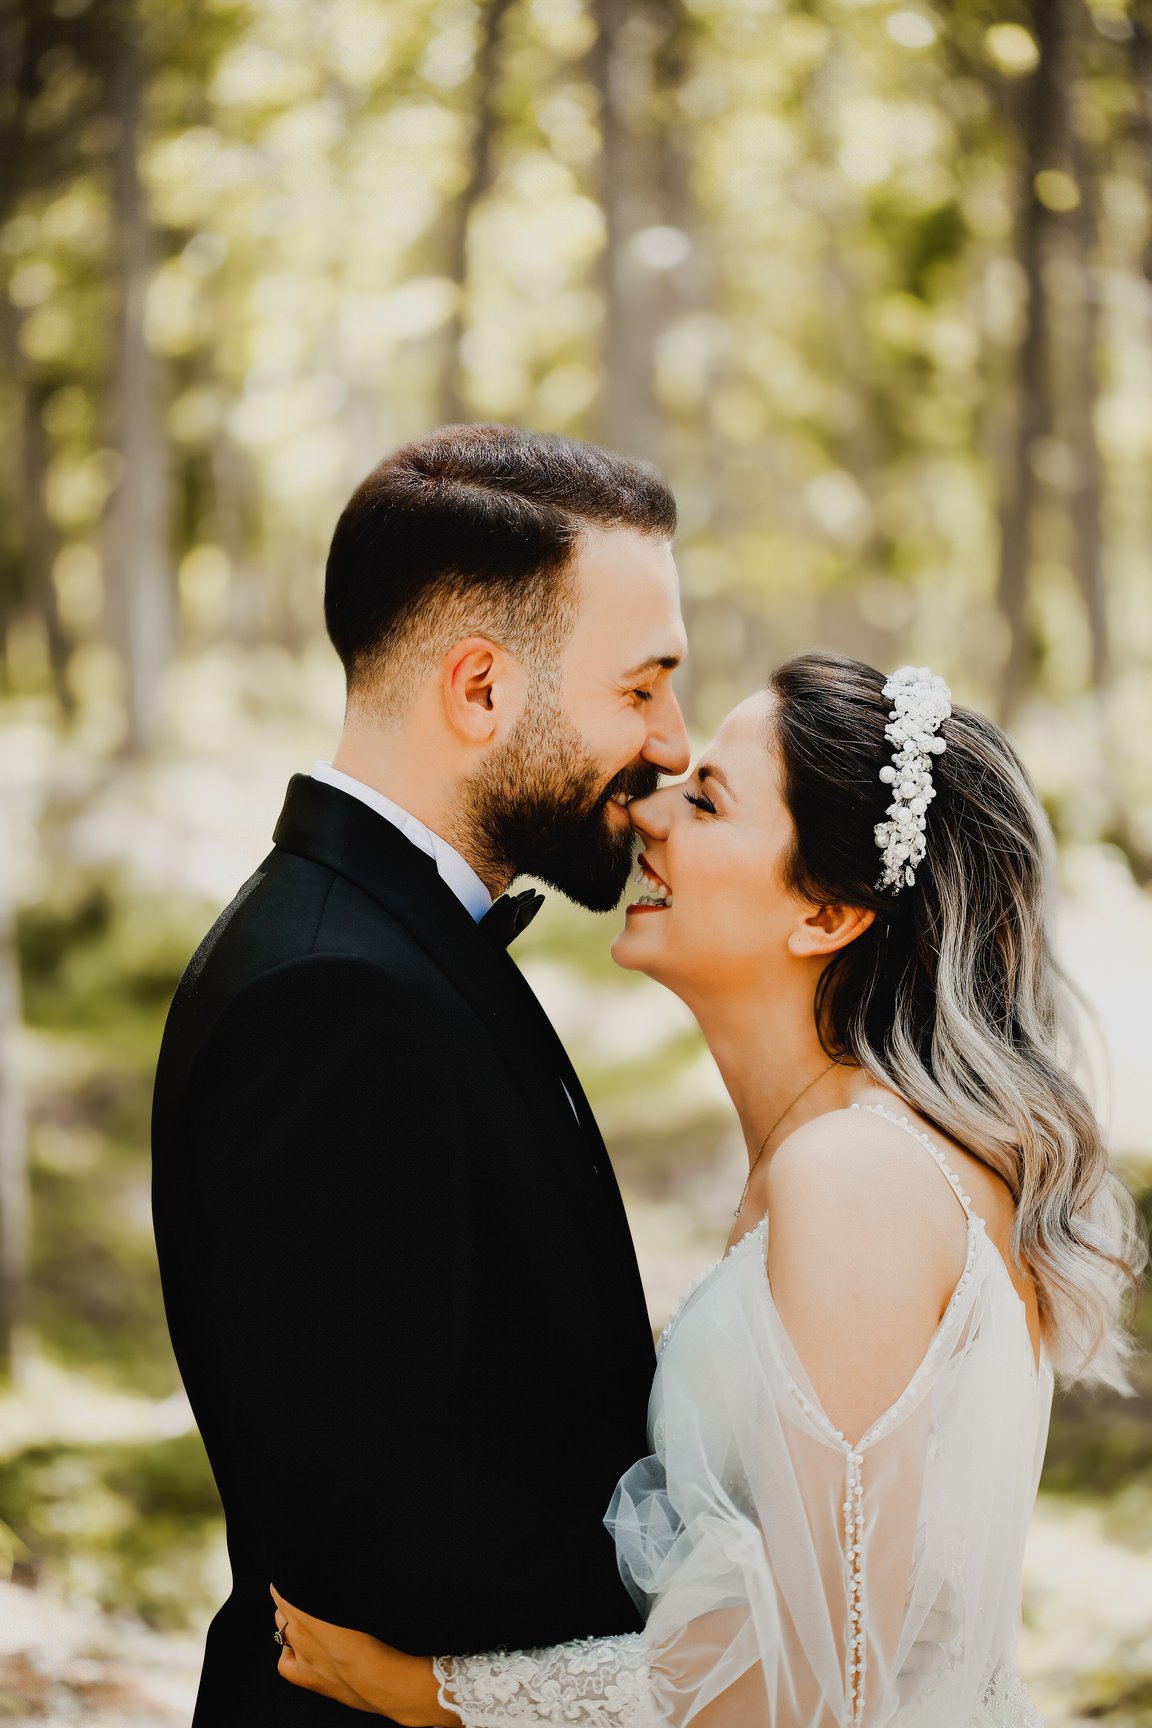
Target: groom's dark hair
(473, 529)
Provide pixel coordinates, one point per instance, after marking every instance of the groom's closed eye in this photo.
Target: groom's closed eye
(640, 681)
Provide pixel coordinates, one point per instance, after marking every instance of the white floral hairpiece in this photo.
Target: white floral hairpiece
(921, 703)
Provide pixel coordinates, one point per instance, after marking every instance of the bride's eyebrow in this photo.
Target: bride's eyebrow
(707, 771)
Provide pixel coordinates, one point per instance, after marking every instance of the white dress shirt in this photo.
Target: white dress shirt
(454, 870)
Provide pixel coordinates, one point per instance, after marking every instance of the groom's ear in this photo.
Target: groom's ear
(826, 929)
(482, 688)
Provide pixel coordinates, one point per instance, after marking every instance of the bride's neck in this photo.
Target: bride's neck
(767, 1051)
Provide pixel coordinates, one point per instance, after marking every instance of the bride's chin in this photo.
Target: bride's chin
(628, 953)
(619, 949)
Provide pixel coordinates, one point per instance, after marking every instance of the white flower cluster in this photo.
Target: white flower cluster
(921, 703)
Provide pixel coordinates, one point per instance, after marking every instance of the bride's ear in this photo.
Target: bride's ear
(825, 930)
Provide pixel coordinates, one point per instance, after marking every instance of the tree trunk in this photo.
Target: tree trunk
(139, 587)
(450, 393)
(1039, 132)
(1087, 504)
(1141, 48)
(41, 540)
(236, 529)
(629, 198)
(692, 443)
(14, 1205)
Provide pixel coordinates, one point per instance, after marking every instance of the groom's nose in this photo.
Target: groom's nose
(666, 746)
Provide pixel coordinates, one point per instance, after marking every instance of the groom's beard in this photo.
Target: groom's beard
(539, 808)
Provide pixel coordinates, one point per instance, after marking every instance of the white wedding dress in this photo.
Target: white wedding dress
(791, 1579)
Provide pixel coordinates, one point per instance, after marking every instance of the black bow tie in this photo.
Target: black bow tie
(506, 917)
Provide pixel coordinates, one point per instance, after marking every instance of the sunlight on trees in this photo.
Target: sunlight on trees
(871, 282)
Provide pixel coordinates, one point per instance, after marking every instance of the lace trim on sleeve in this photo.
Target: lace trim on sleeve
(596, 1682)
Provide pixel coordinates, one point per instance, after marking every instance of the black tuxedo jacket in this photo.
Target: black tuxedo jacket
(397, 1271)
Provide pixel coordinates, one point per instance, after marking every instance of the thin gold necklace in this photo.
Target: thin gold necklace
(786, 1112)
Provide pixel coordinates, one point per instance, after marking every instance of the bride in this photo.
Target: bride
(851, 1407)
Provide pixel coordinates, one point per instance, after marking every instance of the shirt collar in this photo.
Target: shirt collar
(453, 869)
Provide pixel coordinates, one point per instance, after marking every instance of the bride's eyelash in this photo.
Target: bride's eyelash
(701, 802)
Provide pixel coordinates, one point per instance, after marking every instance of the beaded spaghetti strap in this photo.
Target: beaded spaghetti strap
(928, 1145)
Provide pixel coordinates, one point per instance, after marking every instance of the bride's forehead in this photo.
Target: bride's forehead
(747, 728)
(742, 752)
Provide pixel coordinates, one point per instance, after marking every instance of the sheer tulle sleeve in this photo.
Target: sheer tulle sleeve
(796, 1580)
(791, 1579)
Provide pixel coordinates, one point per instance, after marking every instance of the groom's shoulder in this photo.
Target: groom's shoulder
(293, 907)
(296, 933)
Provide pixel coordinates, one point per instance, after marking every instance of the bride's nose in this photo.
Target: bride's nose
(652, 816)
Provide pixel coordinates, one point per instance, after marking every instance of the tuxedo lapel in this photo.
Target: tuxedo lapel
(329, 826)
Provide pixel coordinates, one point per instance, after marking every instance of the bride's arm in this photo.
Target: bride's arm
(358, 1670)
(606, 1679)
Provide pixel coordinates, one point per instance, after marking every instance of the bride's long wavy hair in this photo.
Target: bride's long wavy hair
(953, 997)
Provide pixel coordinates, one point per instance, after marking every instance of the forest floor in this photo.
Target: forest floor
(62, 1661)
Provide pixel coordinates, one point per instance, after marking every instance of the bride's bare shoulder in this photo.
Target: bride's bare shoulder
(860, 1175)
(865, 1246)
(859, 1145)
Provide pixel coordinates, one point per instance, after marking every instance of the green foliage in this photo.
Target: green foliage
(97, 958)
(132, 1527)
(1101, 1443)
(100, 967)
(821, 303)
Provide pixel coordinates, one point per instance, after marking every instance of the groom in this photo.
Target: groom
(397, 1271)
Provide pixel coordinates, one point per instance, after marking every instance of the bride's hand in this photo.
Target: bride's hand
(357, 1670)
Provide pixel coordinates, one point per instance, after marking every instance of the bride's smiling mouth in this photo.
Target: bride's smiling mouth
(657, 896)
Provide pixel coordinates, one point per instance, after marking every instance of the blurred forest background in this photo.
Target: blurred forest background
(872, 282)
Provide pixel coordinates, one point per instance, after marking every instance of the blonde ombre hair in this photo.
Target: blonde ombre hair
(953, 997)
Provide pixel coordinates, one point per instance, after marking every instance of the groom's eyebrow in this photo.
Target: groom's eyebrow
(668, 662)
